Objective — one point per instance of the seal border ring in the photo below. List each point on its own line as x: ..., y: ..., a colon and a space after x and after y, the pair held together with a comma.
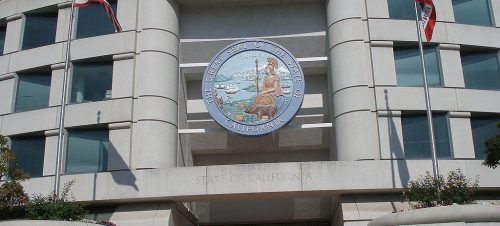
x: 281, y: 120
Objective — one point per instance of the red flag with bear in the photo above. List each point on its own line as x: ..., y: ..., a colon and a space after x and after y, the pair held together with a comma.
x: 107, y: 7
x: 428, y: 17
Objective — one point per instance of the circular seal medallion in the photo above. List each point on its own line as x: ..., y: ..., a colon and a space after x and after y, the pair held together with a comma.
x: 253, y: 87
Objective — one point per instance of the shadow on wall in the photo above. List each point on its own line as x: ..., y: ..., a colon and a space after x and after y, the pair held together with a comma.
x: 252, y: 20
x: 123, y: 176
x: 396, y: 146
x: 118, y: 169
x: 315, y: 109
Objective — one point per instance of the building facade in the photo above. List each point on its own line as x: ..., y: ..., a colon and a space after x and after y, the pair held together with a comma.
x: 143, y: 149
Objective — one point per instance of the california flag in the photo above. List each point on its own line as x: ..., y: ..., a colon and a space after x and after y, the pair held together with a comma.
x: 107, y: 7
x: 428, y: 17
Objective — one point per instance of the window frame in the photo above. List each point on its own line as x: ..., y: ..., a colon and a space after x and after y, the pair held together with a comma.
x: 436, y: 48
x: 114, y: 6
x: 479, y: 50
x: 67, y: 148
x: 446, y: 116
x: 24, y: 29
x: 482, y: 117
x: 490, y: 11
x: 75, y: 64
x: 413, y: 16
x: 16, y: 89
x: 13, y: 139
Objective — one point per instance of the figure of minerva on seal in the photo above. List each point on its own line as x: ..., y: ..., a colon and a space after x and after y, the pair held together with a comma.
x: 268, y: 100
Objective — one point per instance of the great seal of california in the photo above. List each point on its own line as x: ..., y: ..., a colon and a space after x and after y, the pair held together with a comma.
x: 253, y: 87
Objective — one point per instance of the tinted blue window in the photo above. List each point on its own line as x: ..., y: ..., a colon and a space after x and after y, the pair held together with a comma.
x: 482, y: 130
x: 91, y: 82
x: 29, y: 153
x: 401, y: 9
x: 409, y: 69
x: 2, y: 39
x: 39, y: 30
x: 474, y: 12
x: 93, y: 21
x: 33, y: 91
x: 481, y: 70
x: 87, y: 151
x: 416, y: 139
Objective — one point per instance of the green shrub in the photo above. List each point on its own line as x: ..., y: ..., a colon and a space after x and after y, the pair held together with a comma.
x: 12, y: 195
x: 428, y: 191
x: 50, y: 207
x: 493, y: 151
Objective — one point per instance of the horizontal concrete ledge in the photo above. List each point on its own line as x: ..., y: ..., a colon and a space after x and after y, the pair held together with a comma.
x: 64, y: 5
x: 449, y: 47
x: 14, y: 17
x: 121, y: 125
x: 261, y: 179
x: 7, y: 76
x: 51, y: 133
x: 125, y: 56
x: 300, y: 60
x: 301, y: 126
x: 389, y: 113
x: 444, y: 214
x: 58, y: 66
x: 454, y: 114
x: 389, y: 44
x: 44, y: 223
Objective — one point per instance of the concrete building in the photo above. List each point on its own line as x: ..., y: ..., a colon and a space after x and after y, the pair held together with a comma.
x: 143, y: 150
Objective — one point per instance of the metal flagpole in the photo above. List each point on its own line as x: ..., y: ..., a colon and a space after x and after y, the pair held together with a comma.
x: 427, y: 97
x: 60, y: 140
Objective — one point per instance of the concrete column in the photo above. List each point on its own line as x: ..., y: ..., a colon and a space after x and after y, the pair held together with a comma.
x: 7, y: 92
x: 460, y: 135
x: 451, y: 66
x: 56, y: 84
x: 63, y: 15
x: 495, y: 9
x: 391, y: 135
x: 377, y: 9
x: 119, y: 149
x: 123, y: 75
x: 444, y: 11
x: 333, y: 142
x: 13, y: 35
x: 49, y: 159
x: 352, y: 81
x: 156, y: 86
x: 384, y: 69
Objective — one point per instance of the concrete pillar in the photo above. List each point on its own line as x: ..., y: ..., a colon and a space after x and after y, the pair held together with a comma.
x: 49, y: 162
x: 495, y: 9
x: 7, y: 91
x: 451, y: 66
x: 156, y: 86
x: 63, y: 15
x: 119, y: 148
x: 384, y: 69
x: 13, y: 35
x: 460, y: 135
x: 391, y: 135
x: 352, y: 81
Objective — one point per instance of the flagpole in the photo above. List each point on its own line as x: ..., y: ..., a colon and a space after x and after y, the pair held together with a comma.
x: 427, y: 97
x: 60, y: 137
